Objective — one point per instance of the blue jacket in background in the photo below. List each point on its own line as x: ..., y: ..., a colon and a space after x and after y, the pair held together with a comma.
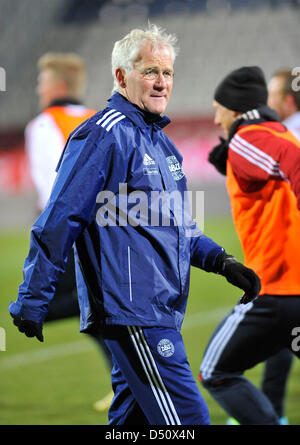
x: 127, y: 273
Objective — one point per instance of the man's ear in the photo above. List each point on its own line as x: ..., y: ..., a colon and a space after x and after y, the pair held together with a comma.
x: 120, y: 76
x: 290, y: 103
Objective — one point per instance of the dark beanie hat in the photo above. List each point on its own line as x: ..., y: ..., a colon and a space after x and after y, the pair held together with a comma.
x: 243, y: 89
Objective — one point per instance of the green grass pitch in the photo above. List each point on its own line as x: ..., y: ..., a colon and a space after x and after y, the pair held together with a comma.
x: 57, y: 382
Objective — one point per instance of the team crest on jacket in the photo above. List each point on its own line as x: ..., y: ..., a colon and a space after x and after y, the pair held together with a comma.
x: 175, y: 167
x: 165, y: 347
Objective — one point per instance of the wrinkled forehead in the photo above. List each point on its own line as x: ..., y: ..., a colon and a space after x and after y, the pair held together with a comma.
x: 151, y: 54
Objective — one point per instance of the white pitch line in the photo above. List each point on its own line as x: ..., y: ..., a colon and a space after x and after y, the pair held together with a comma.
x: 77, y: 347
x: 44, y: 354
x: 205, y: 317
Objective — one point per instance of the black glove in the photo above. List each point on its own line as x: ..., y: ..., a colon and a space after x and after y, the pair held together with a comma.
x: 218, y: 156
x: 240, y: 276
x: 30, y: 328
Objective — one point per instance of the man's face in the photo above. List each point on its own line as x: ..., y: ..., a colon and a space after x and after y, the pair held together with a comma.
x: 49, y: 88
x: 149, y: 83
x: 45, y: 88
x: 276, y: 98
x: 223, y: 117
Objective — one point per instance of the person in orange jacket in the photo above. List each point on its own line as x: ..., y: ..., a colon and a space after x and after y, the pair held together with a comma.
x: 284, y: 98
x: 260, y: 158
x: 60, y: 87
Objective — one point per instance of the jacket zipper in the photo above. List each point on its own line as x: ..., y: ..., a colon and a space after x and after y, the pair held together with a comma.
x: 129, y: 273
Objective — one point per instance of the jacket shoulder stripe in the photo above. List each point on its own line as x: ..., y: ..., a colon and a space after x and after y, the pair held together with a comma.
x: 264, y: 157
x: 268, y: 169
x: 105, y: 116
x: 114, y: 122
x: 255, y: 149
x: 270, y: 165
x: 252, y: 114
x: 112, y: 116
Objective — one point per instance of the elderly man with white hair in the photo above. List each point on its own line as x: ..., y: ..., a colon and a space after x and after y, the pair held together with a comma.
x: 132, y: 263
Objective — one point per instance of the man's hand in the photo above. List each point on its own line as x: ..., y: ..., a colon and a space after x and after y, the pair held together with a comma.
x: 240, y: 276
x: 218, y: 156
x: 29, y: 328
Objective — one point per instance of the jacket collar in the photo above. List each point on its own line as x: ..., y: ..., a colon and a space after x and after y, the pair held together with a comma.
x: 138, y: 116
x: 254, y: 117
x: 64, y: 102
x: 218, y: 155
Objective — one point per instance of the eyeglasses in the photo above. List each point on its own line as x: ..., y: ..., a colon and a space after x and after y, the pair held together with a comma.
x: 154, y: 73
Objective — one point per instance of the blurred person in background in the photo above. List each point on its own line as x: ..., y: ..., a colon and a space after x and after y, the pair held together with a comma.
x: 60, y: 88
x: 284, y: 97
x: 285, y: 100
x: 261, y: 160
x: 132, y: 278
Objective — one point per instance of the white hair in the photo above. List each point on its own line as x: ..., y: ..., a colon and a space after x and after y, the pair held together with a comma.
x: 126, y: 50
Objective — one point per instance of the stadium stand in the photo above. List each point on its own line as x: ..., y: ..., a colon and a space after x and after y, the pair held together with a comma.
x: 212, y: 41
x: 214, y: 37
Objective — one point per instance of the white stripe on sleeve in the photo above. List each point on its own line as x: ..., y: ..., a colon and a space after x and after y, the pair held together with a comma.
x: 255, y: 156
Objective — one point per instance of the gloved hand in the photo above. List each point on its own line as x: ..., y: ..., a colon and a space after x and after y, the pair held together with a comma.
x: 218, y: 156
x: 240, y: 276
x: 30, y: 328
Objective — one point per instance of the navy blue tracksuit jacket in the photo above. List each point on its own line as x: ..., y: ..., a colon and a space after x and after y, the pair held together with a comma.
x: 131, y: 267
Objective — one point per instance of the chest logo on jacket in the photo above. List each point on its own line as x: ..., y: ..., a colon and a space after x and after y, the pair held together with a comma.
x: 148, y: 160
x: 175, y: 167
x: 150, y: 168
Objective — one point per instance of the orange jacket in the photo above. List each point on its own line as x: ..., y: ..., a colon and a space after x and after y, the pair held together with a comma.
x: 68, y: 117
x: 45, y: 138
x: 263, y: 168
